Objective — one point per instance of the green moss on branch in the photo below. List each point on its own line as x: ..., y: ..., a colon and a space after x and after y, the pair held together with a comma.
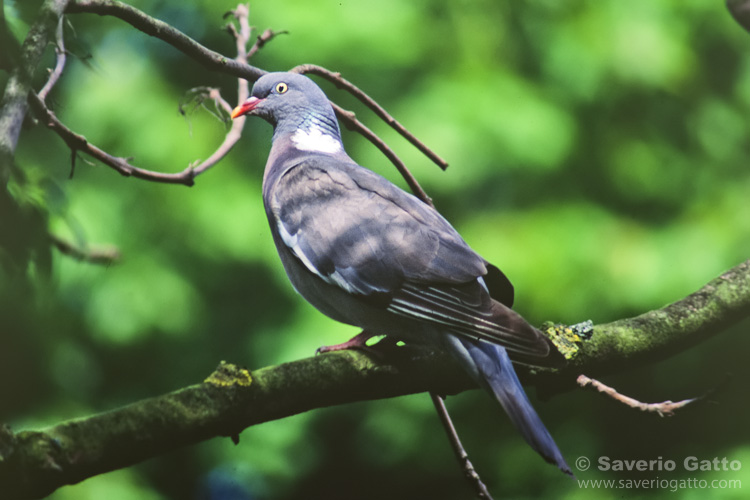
x: 35, y: 463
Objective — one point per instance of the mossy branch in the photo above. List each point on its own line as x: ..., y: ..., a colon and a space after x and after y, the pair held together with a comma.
x: 663, y: 332
x: 35, y: 463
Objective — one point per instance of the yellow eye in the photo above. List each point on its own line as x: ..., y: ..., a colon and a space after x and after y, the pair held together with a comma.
x: 281, y: 87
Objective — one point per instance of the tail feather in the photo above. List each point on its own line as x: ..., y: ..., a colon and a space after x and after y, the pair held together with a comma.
x: 491, y: 367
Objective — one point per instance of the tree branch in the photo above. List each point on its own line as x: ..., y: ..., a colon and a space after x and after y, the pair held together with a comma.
x: 217, y: 62
x: 263, y: 39
x: 658, y: 334
x: 241, y: 37
x: 163, y: 31
x: 60, y: 61
x: 105, y: 256
x: 740, y: 10
x: 14, y: 106
x: 77, y: 142
x: 368, y: 101
x: 458, y: 450
x: 351, y: 122
x: 34, y: 463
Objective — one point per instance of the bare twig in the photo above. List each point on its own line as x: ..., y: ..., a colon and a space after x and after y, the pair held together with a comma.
x: 163, y: 31
x: 263, y: 39
x: 665, y: 408
x: 105, y: 256
x: 351, y: 122
x: 77, y: 142
x: 197, y: 97
x: 60, y: 61
x: 215, y: 61
x: 215, y: 94
x: 14, y: 106
x: 368, y: 101
x: 463, y: 458
x: 241, y: 37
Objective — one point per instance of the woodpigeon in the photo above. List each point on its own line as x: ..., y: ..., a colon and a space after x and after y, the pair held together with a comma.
x: 366, y: 253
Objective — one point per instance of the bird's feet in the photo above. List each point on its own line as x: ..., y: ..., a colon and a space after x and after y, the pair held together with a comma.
x: 359, y: 342
x: 380, y: 349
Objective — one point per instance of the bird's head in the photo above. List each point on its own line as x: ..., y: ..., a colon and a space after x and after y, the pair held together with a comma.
x: 279, y: 96
x: 297, y: 108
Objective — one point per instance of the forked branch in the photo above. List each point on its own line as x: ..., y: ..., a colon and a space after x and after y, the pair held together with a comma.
x: 217, y: 62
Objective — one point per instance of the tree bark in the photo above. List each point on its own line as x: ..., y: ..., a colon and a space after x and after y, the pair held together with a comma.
x: 35, y: 463
x: 14, y: 105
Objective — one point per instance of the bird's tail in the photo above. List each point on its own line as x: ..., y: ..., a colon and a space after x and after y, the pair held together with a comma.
x: 491, y: 367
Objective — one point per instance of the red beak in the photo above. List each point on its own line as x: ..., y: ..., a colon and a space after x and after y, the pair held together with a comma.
x: 247, y: 106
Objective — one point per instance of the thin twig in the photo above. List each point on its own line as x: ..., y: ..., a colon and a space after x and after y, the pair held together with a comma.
x: 349, y: 118
x: 60, y: 61
x: 352, y: 123
x: 241, y: 37
x: 163, y: 31
x: 665, y: 408
x: 14, y: 105
x: 105, y: 256
x: 368, y: 101
x: 77, y: 142
x: 463, y: 458
x: 263, y: 39
x: 215, y: 95
x: 217, y: 62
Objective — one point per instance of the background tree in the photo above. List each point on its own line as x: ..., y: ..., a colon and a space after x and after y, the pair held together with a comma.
x: 598, y: 155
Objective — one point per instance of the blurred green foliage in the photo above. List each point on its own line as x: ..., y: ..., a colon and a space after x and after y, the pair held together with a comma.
x: 598, y: 155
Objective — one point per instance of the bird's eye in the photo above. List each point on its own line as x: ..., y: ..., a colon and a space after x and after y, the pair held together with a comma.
x: 281, y: 87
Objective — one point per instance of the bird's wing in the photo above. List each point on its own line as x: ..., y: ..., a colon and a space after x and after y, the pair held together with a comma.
x: 353, y: 228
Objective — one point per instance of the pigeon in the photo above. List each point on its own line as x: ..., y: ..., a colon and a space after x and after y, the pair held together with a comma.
x: 366, y: 253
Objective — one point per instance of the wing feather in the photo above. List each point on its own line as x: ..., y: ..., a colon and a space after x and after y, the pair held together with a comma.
x: 469, y: 312
x: 356, y: 230
x: 350, y: 226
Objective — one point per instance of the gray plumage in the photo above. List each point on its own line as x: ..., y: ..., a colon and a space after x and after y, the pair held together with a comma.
x: 366, y: 253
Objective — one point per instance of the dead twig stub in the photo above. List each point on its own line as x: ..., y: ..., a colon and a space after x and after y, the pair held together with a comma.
x: 663, y: 409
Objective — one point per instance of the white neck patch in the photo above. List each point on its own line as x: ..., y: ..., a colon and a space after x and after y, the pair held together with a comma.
x: 316, y: 141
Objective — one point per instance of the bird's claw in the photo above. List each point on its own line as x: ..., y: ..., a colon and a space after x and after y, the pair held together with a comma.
x: 359, y: 342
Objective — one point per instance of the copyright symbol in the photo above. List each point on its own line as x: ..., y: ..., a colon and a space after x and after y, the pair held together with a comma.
x: 583, y: 463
